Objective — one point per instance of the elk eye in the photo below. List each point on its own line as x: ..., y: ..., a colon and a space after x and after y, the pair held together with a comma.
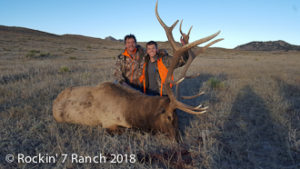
x: 169, y: 118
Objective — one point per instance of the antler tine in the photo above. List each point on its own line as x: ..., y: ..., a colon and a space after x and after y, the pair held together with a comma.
x: 189, y: 61
x: 167, y: 29
x: 190, y: 109
x: 197, y: 42
x: 191, y: 58
x: 191, y: 97
x: 185, y: 36
x: 190, y: 31
x: 208, y: 45
x: 180, y: 27
x: 187, y: 65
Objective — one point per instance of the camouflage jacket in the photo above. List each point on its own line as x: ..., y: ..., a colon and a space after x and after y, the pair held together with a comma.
x: 128, y: 68
x: 166, y: 59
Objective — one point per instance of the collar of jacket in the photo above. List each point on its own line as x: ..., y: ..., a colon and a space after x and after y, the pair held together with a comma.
x: 155, y: 58
x: 125, y: 53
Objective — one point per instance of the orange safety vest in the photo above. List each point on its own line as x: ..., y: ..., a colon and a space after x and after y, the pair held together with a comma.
x: 162, y: 70
x: 125, y: 53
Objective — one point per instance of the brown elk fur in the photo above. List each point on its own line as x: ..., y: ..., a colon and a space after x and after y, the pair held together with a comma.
x: 112, y: 105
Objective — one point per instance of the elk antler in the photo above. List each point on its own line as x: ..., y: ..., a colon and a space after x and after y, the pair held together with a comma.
x: 177, y: 53
x: 192, y: 56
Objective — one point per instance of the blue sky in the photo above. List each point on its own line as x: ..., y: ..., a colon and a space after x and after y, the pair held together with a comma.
x: 240, y: 21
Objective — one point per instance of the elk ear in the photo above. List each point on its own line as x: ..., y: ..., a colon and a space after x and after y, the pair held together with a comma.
x: 164, y: 101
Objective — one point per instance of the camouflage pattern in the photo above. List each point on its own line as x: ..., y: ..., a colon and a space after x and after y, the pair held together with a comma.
x: 129, y: 70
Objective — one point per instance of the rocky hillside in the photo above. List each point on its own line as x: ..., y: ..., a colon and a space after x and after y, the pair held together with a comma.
x: 113, y: 39
x: 268, y: 46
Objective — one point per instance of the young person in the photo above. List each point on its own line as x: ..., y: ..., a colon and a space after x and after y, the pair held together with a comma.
x: 155, y: 69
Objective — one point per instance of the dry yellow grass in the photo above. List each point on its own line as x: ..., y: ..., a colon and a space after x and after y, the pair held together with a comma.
x: 253, y: 120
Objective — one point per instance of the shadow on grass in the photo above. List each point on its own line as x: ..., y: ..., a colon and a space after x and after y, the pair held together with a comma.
x: 251, y: 139
x: 190, y: 87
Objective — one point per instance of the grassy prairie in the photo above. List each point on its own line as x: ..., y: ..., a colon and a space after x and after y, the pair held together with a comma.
x: 253, y: 119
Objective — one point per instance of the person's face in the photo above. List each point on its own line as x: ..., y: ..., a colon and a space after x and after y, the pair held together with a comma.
x: 151, y: 50
x: 130, y: 44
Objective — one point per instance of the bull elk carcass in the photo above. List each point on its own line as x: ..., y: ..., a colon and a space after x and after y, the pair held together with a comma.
x: 113, y: 105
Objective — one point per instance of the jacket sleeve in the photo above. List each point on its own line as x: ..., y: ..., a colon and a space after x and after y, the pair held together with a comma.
x: 118, y: 74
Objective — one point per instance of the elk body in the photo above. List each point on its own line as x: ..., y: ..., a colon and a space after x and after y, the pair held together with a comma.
x: 112, y: 105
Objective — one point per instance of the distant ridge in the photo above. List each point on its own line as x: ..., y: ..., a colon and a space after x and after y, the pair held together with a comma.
x: 112, y: 39
x: 268, y: 46
x: 36, y: 33
x: 24, y: 31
